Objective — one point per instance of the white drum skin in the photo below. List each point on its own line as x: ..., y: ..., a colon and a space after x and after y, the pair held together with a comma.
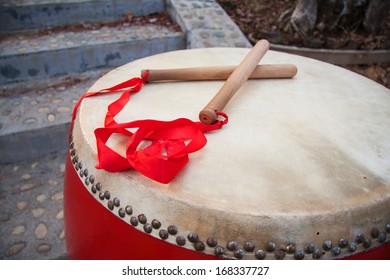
x: 302, y: 161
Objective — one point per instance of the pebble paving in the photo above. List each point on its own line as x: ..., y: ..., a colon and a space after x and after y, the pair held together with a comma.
x: 38, y: 103
x: 207, y: 24
x: 30, y: 42
x: 25, y: 2
x: 31, y: 209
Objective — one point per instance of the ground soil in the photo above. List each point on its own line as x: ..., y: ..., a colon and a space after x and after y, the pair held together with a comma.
x: 263, y: 19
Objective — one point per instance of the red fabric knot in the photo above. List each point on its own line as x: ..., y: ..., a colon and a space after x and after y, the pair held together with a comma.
x: 157, y: 149
x: 217, y: 125
x: 145, y: 76
x: 161, y: 160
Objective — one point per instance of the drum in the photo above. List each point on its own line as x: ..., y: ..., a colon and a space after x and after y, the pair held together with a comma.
x: 301, y: 171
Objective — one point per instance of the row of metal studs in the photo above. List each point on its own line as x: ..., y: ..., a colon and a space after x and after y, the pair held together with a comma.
x: 232, y: 246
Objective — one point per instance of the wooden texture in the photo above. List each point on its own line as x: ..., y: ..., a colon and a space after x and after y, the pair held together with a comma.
x: 269, y: 71
x: 239, y: 76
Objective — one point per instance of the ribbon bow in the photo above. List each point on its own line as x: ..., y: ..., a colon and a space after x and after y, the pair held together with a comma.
x: 170, y: 141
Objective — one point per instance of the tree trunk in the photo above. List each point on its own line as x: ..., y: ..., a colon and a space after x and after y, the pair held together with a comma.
x: 375, y: 15
x: 304, y: 17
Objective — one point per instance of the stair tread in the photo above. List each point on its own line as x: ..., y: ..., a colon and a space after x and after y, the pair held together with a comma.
x: 32, y: 42
x: 17, y: 15
x: 38, y: 2
x: 42, y: 103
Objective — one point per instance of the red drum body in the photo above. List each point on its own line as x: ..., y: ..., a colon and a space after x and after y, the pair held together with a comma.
x: 301, y: 171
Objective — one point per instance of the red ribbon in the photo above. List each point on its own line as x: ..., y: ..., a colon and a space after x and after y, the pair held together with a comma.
x: 171, y: 141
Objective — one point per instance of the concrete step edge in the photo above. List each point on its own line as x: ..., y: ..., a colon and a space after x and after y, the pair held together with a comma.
x: 35, y: 117
x: 35, y: 14
x: 26, y: 57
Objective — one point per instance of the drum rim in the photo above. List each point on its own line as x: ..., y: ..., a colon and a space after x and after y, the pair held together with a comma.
x: 283, y: 251
x: 232, y: 249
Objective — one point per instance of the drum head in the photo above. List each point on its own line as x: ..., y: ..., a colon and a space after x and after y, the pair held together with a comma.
x: 302, y: 169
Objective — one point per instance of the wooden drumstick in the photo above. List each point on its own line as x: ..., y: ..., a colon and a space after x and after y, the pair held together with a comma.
x: 265, y: 71
x: 234, y: 82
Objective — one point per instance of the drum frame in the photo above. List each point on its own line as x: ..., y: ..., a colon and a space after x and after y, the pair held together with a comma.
x: 99, y: 234
x: 103, y: 225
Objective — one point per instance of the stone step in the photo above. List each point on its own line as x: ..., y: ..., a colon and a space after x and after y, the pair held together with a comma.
x: 35, y: 55
x: 18, y: 15
x: 35, y: 116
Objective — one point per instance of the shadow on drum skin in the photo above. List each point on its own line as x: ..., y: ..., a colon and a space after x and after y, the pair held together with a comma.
x: 349, y: 181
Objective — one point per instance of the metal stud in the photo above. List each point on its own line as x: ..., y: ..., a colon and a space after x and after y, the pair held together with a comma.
x: 80, y: 164
x: 309, y: 248
x: 290, y: 248
x: 270, y: 246
x: 336, y: 250
x: 148, y: 228
x: 129, y: 210
x: 249, y: 246
x: 317, y: 253
x: 299, y: 254
x: 374, y: 233
x: 352, y: 246
x: 239, y: 254
x: 327, y: 245
x: 156, y: 224
x: 367, y: 242
x: 180, y: 240
x: 86, y: 181
x: 232, y: 246
x: 211, y: 241
x: 117, y: 202
x: 219, y: 251
x: 134, y: 221
x: 382, y: 237
x: 387, y: 228
x: 343, y: 242
x: 359, y: 238
x: 73, y: 152
x: 193, y: 237
x: 163, y: 234
x: 280, y: 254
x: 121, y: 212
x: 260, y: 254
x: 71, y: 145
x: 172, y: 230
x: 199, y: 246
x: 142, y: 219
